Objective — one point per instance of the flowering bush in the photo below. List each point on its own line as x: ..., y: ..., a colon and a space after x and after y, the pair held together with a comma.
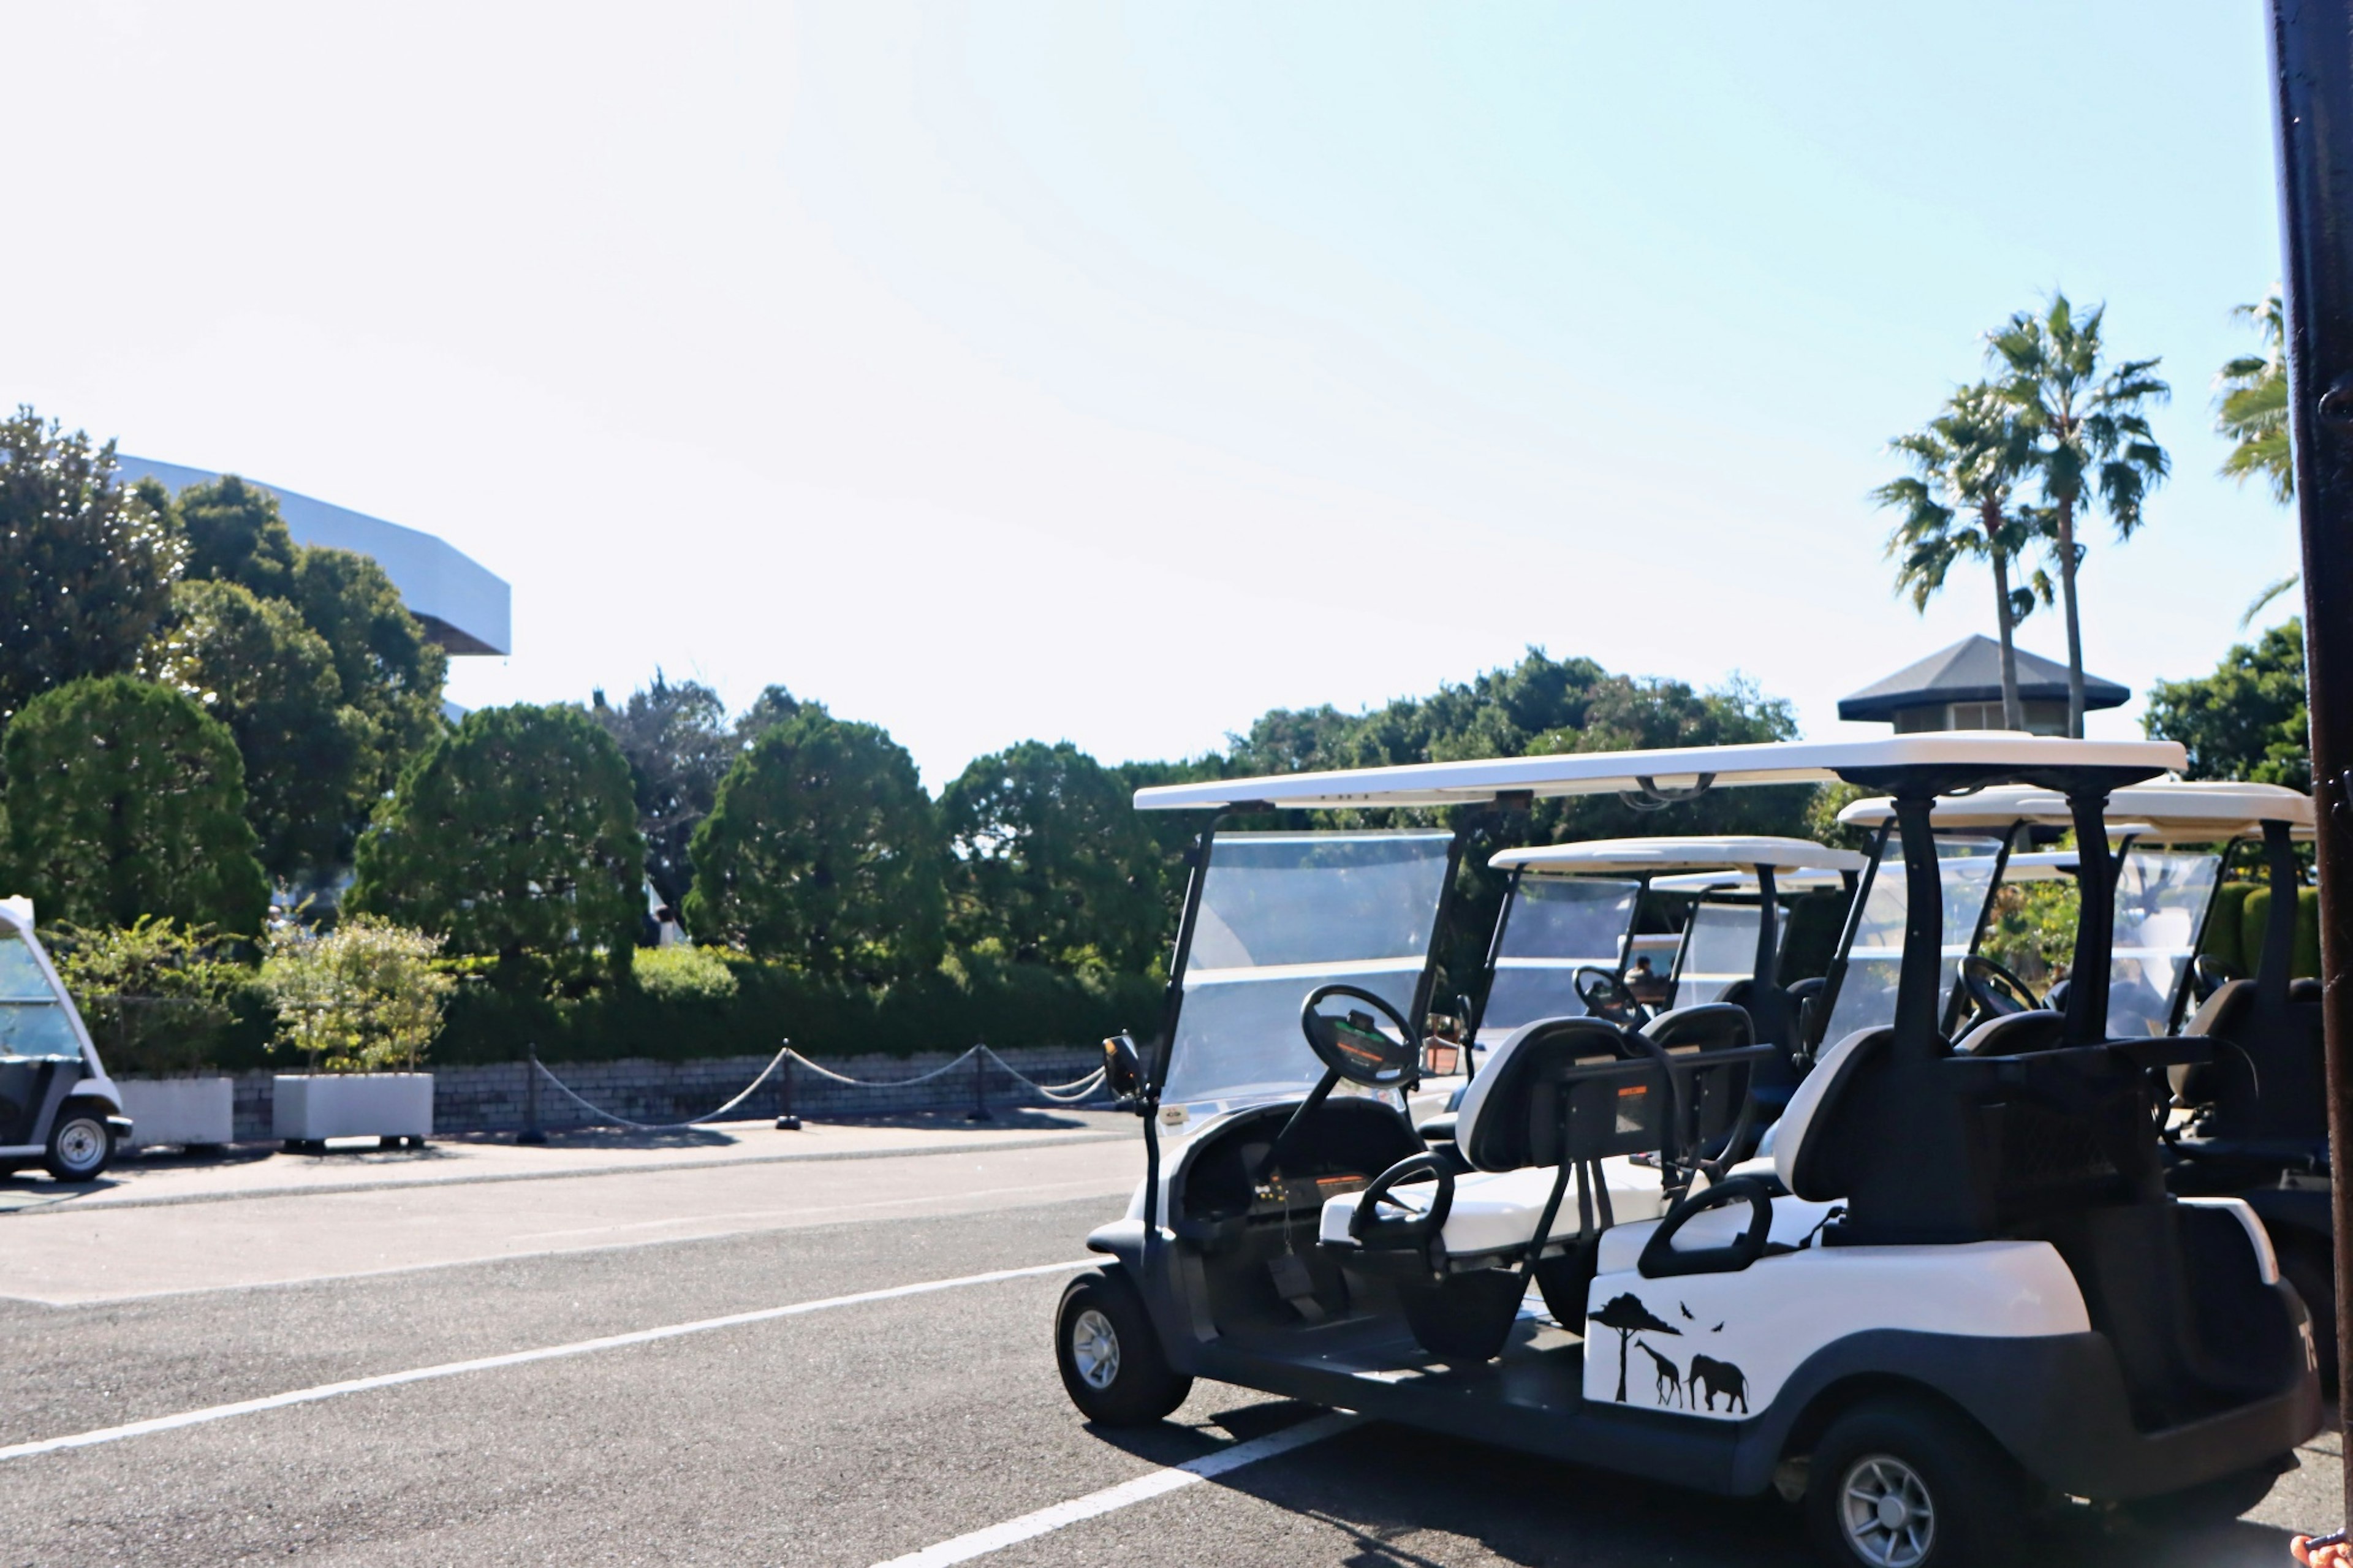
x: 365, y: 998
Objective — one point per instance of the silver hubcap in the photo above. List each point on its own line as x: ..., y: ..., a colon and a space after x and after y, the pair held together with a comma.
x: 1885, y: 1510
x: 1094, y: 1349
x: 80, y: 1144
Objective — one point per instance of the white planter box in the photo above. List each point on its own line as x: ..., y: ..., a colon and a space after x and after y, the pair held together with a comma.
x: 307, y: 1106
x: 186, y: 1111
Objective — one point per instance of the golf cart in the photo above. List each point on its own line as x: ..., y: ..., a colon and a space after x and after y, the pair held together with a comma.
x: 2253, y: 1123
x: 57, y: 1107
x: 1961, y: 1287
x: 1568, y: 917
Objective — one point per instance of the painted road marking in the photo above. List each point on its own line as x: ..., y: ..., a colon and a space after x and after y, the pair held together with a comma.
x: 1143, y: 1489
x: 517, y: 1358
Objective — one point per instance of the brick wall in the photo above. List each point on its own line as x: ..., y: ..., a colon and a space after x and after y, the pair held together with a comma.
x: 491, y: 1099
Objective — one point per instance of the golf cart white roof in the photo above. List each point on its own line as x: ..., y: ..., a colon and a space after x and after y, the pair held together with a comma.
x: 2163, y: 809
x: 1479, y: 780
x: 1714, y: 853
x: 1797, y: 880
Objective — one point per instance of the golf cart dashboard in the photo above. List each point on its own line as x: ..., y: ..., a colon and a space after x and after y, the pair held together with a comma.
x: 1224, y: 1190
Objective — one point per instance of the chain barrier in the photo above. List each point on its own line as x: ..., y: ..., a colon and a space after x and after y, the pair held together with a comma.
x: 1071, y: 1093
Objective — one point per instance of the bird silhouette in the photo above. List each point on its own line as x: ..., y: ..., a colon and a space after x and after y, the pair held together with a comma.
x: 1717, y: 1330
x: 1687, y: 1312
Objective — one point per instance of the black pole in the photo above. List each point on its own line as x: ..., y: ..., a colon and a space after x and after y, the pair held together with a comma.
x: 530, y: 1132
x: 2096, y: 921
x: 980, y: 1112
x: 789, y: 1118
x: 1920, y: 982
x: 2312, y: 67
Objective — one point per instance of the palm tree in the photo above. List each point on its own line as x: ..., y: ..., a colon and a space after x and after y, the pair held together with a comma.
x: 2251, y: 408
x: 2092, y: 444
x: 1965, y: 463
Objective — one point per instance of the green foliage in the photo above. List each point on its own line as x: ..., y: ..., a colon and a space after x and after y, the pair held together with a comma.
x: 2247, y: 719
x: 2250, y: 404
x: 1049, y: 863
x: 86, y: 566
x: 365, y: 998
x: 2255, y: 913
x: 1822, y: 826
x: 252, y: 663
x: 388, y: 670
x: 679, y: 746
x: 822, y: 852
x: 683, y: 973
x: 156, y: 995
x: 2223, y: 924
x: 127, y: 799
x: 234, y: 535
x: 2031, y: 931
x: 513, y: 836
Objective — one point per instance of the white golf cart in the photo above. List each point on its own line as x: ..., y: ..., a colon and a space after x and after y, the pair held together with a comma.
x: 1960, y: 1288
x: 57, y: 1107
x: 2253, y: 1123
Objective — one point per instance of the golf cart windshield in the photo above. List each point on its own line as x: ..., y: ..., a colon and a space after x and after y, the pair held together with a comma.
x: 1867, y: 997
x: 1719, y: 949
x: 1282, y: 914
x: 1557, y: 926
x: 33, y: 1021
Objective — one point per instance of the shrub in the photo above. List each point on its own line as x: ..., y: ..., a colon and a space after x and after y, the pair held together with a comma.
x: 126, y: 799
x: 823, y: 853
x: 515, y: 836
x: 157, y: 996
x: 683, y: 974
x: 362, y: 998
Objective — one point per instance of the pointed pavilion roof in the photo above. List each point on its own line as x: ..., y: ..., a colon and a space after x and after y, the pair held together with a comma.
x: 1970, y: 671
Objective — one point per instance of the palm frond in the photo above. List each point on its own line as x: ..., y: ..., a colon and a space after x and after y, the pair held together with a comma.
x: 2255, y: 605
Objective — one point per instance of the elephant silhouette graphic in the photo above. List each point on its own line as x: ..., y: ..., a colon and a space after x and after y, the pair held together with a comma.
x: 1711, y: 1377
x: 1671, y: 1377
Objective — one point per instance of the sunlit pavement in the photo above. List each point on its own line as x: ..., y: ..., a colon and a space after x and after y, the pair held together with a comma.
x: 868, y: 1429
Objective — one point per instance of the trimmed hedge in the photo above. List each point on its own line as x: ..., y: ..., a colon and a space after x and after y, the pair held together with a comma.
x: 2234, y: 933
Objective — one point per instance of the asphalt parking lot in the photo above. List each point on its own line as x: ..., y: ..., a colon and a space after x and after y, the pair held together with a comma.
x: 837, y: 1419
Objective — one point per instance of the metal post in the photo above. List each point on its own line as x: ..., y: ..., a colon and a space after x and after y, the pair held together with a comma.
x: 530, y: 1132
x: 2312, y: 65
x: 980, y: 1112
x: 787, y: 1118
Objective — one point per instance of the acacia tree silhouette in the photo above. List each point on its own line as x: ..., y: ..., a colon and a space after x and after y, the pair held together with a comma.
x: 1627, y: 1314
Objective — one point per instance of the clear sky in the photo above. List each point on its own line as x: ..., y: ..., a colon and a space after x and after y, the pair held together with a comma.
x: 1114, y: 373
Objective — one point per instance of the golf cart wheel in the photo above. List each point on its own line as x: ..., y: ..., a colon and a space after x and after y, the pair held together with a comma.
x: 2305, y: 1260
x: 1108, y: 1355
x: 1904, y: 1484
x: 2211, y: 1505
x: 79, y: 1143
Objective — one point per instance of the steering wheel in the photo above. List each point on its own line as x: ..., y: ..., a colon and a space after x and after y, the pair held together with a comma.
x: 1355, y: 1046
x: 1993, y: 990
x: 1605, y: 996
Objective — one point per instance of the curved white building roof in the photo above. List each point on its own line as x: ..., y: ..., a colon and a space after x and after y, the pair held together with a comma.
x: 464, y: 607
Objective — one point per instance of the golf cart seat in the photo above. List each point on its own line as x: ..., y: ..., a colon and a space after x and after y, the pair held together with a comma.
x: 2013, y: 1034
x: 2267, y: 1082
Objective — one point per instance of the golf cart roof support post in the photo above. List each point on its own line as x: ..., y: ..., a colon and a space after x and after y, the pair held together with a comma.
x: 1442, y: 928
x: 1919, y: 980
x: 2278, y: 961
x: 1494, y: 952
x: 2096, y: 920
x: 1768, y: 936
x: 2313, y: 71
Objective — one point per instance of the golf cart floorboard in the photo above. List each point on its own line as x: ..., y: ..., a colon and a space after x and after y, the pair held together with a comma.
x: 1531, y: 1398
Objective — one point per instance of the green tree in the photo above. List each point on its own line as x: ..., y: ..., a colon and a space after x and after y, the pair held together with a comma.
x: 513, y: 836
x: 1955, y: 504
x: 2092, y: 443
x: 678, y: 745
x: 2251, y: 408
x: 391, y: 672
x: 1049, y: 860
x: 822, y: 852
x: 126, y: 799
x: 252, y: 663
x: 2247, y: 719
x: 86, y: 566
x: 236, y: 535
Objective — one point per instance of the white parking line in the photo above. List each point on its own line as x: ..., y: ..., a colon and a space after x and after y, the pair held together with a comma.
x: 515, y: 1358
x: 1143, y: 1489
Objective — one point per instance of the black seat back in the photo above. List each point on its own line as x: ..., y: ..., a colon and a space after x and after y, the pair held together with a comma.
x: 1513, y: 1114
x: 2014, y: 1034
x: 2266, y: 1080
x: 1712, y: 1104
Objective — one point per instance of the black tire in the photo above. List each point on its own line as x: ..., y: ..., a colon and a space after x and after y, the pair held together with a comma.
x: 1966, y: 1499
x: 79, y: 1143
x: 2211, y: 1505
x: 1109, y: 1357
x: 2305, y: 1262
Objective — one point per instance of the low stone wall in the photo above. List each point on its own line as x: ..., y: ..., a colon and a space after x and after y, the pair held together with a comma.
x: 493, y: 1099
